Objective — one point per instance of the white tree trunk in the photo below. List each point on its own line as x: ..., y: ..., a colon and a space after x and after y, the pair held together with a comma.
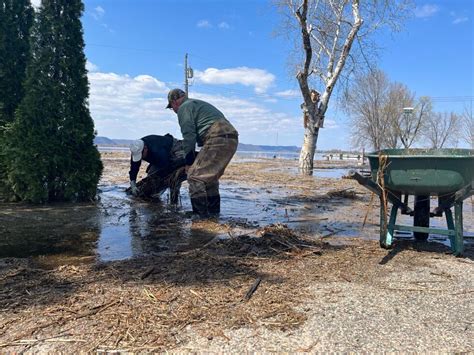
x: 306, y: 163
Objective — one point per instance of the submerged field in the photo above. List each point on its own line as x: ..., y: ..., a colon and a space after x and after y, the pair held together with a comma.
x: 289, y: 266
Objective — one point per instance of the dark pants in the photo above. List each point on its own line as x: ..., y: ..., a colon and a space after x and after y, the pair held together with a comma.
x: 176, y: 160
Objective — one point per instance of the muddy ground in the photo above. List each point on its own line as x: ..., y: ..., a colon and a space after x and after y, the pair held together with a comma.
x: 289, y: 266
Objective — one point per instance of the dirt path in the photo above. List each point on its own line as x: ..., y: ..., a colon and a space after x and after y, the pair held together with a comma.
x: 304, y: 283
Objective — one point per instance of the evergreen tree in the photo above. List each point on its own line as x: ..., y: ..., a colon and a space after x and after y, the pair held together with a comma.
x: 16, y: 18
x: 50, y: 151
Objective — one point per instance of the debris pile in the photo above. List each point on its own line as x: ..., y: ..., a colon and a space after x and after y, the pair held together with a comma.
x: 344, y: 193
x: 274, y: 239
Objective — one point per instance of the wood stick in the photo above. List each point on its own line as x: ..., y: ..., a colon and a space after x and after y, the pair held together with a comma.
x: 147, y: 273
x: 252, y: 289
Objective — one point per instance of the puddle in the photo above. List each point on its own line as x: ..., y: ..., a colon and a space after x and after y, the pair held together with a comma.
x: 330, y: 173
x: 119, y: 227
x: 334, y: 173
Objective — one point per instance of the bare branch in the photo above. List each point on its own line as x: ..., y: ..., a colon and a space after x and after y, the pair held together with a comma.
x: 468, y: 126
x: 332, y: 55
x: 443, y: 129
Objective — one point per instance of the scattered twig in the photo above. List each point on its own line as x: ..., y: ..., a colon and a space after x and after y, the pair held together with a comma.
x: 147, y: 273
x: 252, y: 289
x: 96, y: 309
x: 53, y: 339
x: 197, y: 295
x: 412, y: 289
x: 462, y: 292
x: 369, y: 208
x: 308, y: 348
x: 307, y: 220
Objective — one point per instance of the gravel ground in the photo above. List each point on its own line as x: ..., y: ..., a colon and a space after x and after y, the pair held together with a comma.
x: 419, y: 301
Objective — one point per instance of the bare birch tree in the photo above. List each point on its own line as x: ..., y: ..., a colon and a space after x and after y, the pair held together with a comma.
x: 335, y: 37
x: 468, y: 126
x: 365, y: 102
x: 382, y: 113
x: 443, y: 129
x: 409, y: 121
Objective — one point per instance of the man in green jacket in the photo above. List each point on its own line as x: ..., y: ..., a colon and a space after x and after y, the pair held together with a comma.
x: 205, y: 125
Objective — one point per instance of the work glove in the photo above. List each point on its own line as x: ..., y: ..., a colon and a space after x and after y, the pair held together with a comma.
x: 134, y: 188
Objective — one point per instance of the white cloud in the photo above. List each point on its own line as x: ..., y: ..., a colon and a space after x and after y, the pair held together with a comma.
x: 204, y: 24
x: 98, y: 12
x: 224, y: 25
x: 132, y: 107
x: 104, y: 25
x: 270, y: 100
x: 427, y: 10
x: 260, y: 79
x: 460, y: 20
x: 253, y: 119
x: 330, y: 124
x: 91, y: 67
x: 288, y: 94
x: 129, y: 107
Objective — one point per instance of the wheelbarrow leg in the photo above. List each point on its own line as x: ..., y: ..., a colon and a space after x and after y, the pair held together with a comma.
x: 450, y: 224
x: 458, y: 245
x: 386, y: 234
x: 421, y: 216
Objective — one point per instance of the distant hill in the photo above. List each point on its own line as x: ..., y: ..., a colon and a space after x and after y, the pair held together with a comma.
x: 104, y: 141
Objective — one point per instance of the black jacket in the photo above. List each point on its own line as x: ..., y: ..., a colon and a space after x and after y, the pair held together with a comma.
x: 159, y: 148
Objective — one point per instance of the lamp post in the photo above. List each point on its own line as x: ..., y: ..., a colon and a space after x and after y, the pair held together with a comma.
x: 408, y: 111
x: 421, y: 216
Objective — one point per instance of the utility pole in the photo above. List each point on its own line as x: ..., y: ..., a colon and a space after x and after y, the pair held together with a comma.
x: 188, y: 74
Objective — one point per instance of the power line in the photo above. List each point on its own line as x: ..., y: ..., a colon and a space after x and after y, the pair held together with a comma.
x: 452, y: 98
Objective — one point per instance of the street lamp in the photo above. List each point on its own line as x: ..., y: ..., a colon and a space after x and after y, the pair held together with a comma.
x: 408, y: 110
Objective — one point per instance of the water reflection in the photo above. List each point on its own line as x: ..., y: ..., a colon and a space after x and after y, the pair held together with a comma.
x: 120, y: 227
x: 127, y: 225
x: 53, y: 229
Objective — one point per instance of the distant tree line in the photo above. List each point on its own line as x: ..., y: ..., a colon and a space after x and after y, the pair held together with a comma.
x: 46, y: 131
x: 385, y: 114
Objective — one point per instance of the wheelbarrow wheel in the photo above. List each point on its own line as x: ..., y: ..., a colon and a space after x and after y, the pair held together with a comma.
x: 421, y: 217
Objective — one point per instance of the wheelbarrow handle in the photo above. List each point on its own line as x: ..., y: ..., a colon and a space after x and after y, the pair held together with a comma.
x: 464, y: 193
x: 372, y: 186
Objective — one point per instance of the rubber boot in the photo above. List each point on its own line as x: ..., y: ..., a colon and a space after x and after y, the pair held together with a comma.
x: 199, y: 206
x: 214, y: 205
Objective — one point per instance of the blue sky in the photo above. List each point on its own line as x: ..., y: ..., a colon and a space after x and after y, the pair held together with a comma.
x: 135, y: 51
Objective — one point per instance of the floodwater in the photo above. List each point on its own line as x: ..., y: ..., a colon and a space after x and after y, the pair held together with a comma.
x: 118, y: 226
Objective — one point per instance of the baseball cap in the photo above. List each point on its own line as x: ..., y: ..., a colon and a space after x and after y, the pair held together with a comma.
x: 136, y: 147
x: 174, y: 95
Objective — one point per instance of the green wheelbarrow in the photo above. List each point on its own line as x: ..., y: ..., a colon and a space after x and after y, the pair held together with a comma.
x: 395, y: 174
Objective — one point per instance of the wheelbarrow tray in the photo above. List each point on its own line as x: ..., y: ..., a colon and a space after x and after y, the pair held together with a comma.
x: 432, y: 172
